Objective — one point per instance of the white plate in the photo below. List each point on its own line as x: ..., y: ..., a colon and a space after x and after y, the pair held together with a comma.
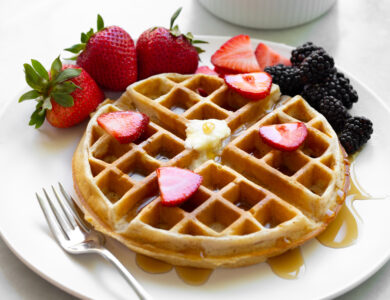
x: 31, y: 159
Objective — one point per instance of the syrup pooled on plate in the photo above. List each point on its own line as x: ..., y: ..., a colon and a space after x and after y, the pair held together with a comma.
x: 344, y: 229
x: 152, y: 265
x: 192, y: 276
x: 289, y: 265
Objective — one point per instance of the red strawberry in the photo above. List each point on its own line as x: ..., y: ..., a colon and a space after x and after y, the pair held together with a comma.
x: 284, y: 137
x: 125, y: 126
x: 205, y: 70
x: 222, y: 72
x: 162, y: 50
x: 267, y: 57
x: 177, y: 185
x: 236, y: 55
x: 65, y: 97
x: 254, y: 86
x: 108, y: 56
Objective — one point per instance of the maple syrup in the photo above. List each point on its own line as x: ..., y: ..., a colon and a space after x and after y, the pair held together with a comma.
x: 192, y: 276
x: 152, y: 265
x: 289, y: 265
x: 343, y: 231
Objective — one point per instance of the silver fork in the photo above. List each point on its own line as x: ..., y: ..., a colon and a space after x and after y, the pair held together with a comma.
x: 75, y: 236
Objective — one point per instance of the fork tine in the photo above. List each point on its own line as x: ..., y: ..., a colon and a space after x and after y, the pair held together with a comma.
x: 55, y: 228
x: 65, y: 207
x: 59, y: 215
x: 73, y: 210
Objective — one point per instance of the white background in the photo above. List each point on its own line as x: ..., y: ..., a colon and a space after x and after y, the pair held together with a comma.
x: 355, y: 32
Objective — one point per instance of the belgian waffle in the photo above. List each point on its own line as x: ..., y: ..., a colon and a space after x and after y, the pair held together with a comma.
x: 254, y: 201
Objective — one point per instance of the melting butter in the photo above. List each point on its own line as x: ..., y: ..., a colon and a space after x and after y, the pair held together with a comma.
x: 206, y: 136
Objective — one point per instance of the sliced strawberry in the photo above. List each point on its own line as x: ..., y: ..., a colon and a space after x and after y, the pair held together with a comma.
x: 284, y: 137
x: 125, y: 126
x: 267, y: 57
x: 177, y: 185
x: 236, y: 55
x: 205, y: 70
x: 222, y: 72
x: 254, y: 86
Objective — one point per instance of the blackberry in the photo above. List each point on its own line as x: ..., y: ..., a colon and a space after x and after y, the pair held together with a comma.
x: 301, y: 52
x: 356, y: 132
x: 317, y: 66
x: 288, y: 79
x: 314, y: 93
x: 334, y: 111
x: 339, y: 87
x: 336, y: 85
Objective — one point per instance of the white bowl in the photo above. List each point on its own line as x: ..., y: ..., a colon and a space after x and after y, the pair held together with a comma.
x: 267, y: 14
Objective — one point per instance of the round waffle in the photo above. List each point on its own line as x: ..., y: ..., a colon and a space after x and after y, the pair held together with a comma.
x: 254, y: 201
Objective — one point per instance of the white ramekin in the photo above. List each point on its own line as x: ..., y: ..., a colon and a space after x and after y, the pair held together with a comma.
x: 267, y: 14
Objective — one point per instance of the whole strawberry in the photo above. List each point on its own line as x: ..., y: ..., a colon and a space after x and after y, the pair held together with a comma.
x: 162, y: 50
x: 65, y: 96
x: 108, y: 55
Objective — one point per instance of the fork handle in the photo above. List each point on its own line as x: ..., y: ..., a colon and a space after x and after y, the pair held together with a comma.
x: 138, y: 289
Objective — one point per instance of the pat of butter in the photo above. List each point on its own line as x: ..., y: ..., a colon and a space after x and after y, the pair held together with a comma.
x: 206, y: 137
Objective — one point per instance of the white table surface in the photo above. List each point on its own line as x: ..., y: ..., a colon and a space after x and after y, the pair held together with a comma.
x: 355, y: 32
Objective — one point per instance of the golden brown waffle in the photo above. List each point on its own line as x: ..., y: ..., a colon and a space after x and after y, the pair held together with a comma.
x: 257, y: 202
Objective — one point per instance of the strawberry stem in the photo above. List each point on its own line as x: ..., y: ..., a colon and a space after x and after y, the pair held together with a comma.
x: 174, y: 17
x: 175, y: 31
x: 78, y: 48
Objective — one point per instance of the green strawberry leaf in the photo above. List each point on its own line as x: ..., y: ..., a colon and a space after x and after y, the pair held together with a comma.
x: 67, y: 74
x: 84, y: 38
x: 199, y: 42
x: 175, y: 31
x: 37, y: 118
x: 56, y: 68
x: 174, y: 17
x: 33, y: 79
x: 72, y: 58
x: 76, y: 48
x: 67, y: 87
x: 33, y: 94
x: 199, y: 50
x: 63, y: 99
x: 40, y: 69
x: 189, y: 36
x: 90, y: 33
x: 100, y: 23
